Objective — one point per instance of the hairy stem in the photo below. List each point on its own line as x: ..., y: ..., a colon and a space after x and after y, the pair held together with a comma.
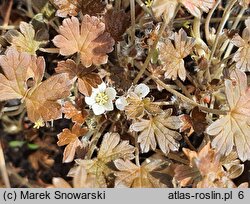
x: 236, y: 22
x: 208, y: 19
x: 224, y: 19
x: 150, y: 55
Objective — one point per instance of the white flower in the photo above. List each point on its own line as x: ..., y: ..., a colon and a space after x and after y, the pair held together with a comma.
x: 141, y: 90
x: 121, y: 103
x: 101, y: 99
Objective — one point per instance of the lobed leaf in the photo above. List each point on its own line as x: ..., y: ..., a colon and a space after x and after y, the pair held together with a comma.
x: 24, y: 41
x: 161, y: 129
x: 131, y: 175
x: 89, y: 39
x: 233, y: 129
x: 171, y: 55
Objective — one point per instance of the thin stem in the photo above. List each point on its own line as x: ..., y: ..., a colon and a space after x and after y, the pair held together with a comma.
x: 177, y: 158
x: 21, y: 181
x: 137, y: 150
x: 196, y: 27
x: 181, y: 96
x: 146, y: 63
x: 132, y: 13
x: 7, y: 14
x: 213, y: 20
x: 8, y: 27
x: 118, y: 4
x: 146, y: 9
x: 163, y: 103
x: 95, y: 138
x: 183, y: 88
x: 236, y: 22
x: 186, y: 99
x: 3, y: 168
x: 173, y: 156
x: 224, y: 19
x: 208, y: 19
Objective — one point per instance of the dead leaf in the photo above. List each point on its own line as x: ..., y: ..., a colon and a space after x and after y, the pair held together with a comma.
x: 193, y: 6
x: 87, y: 80
x: 167, y: 7
x: 116, y: 23
x: 93, y: 7
x: 89, y: 39
x: 131, y: 175
x: 111, y: 149
x: 158, y: 129
x: 41, y: 98
x: 42, y: 101
x: 196, y: 6
x: 244, y: 3
x: 233, y: 129
x: 15, y: 67
x: 171, y: 55
x: 67, y: 7
x: 70, y: 138
x: 137, y: 107
x: 24, y: 41
x: 205, y: 170
x: 232, y: 165
x: 71, y: 112
x: 60, y: 183
x: 242, y: 55
x: 40, y: 159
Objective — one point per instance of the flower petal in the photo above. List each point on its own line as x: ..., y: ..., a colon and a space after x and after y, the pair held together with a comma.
x: 109, y: 106
x: 102, y: 87
x: 111, y: 92
x: 97, y: 109
x: 90, y: 100
x: 121, y: 103
x: 142, y: 90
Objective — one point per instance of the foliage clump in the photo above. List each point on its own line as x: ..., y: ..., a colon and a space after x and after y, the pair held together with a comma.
x: 136, y: 94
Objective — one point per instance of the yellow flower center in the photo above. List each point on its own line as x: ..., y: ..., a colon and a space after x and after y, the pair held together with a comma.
x: 101, y: 98
x: 148, y: 3
x: 39, y: 123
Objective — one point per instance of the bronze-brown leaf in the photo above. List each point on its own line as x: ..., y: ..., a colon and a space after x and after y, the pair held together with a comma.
x: 116, y: 23
x: 131, y: 175
x: 67, y: 7
x: 71, y: 112
x: 204, y: 171
x: 93, y: 7
x: 70, y: 138
x: 85, y: 77
x: 158, y: 129
x: 88, y: 39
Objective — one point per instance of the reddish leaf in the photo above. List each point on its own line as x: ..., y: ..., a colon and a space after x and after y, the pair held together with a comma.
x: 72, y: 113
x: 86, y: 78
x: 42, y: 101
x: 89, y: 39
x: 67, y: 7
x: 70, y: 138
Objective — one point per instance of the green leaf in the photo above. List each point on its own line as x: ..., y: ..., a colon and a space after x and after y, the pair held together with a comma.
x: 16, y: 143
x: 33, y: 146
